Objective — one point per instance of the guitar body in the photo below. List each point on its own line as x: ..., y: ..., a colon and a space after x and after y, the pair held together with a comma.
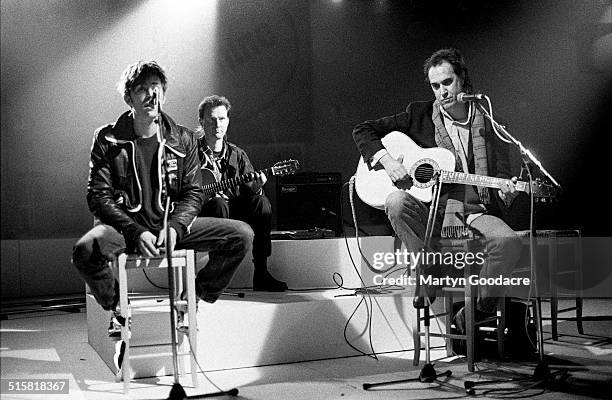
x: 209, y: 177
x: 374, y: 185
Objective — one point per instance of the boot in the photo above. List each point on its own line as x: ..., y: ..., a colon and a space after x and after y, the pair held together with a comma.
x: 424, y: 290
x: 263, y: 281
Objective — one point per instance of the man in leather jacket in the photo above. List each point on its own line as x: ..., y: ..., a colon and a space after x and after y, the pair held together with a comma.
x: 131, y: 162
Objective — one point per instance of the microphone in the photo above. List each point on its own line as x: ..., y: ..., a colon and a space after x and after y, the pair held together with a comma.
x: 155, y: 103
x: 158, y: 99
x: 155, y: 97
x: 464, y: 97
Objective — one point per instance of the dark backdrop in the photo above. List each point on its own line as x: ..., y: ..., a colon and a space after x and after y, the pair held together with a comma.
x: 300, y: 74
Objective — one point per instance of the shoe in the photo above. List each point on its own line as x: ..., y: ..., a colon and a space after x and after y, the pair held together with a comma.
x: 263, y: 281
x: 117, y: 321
x: 181, y: 313
x: 118, y: 360
x: 424, y: 290
x: 181, y: 324
x: 459, y: 318
x: 419, y: 299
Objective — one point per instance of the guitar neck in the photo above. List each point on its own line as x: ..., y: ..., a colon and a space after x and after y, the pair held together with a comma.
x: 215, y: 187
x: 479, y: 180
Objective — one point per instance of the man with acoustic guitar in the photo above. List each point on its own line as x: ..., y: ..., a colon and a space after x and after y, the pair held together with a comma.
x: 246, y: 201
x: 448, y: 123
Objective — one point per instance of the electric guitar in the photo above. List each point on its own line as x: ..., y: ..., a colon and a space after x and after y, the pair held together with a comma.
x: 374, y: 185
x: 212, y: 185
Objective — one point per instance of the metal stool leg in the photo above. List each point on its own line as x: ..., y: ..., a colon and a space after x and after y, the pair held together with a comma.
x: 501, y: 327
x: 416, y: 335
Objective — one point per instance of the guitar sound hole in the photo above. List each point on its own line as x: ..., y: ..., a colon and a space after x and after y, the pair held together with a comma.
x: 424, y: 173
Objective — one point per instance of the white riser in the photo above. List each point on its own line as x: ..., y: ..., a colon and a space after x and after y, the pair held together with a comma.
x: 267, y: 329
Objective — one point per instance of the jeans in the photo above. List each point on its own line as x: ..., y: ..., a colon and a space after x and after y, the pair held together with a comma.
x: 226, y: 240
x: 254, y: 210
x: 500, y: 243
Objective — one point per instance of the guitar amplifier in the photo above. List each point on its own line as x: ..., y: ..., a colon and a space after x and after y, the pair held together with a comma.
x: 309, y: 201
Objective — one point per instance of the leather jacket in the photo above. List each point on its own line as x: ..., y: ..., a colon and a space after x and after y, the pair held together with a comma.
x: 114, y: 191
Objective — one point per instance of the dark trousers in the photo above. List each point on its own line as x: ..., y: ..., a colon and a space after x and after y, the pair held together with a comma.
x: 255, y: 210
x: 226, y: 240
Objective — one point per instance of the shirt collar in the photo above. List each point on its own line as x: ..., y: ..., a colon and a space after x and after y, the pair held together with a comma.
x: 448, y: 117
x: 211, y: 153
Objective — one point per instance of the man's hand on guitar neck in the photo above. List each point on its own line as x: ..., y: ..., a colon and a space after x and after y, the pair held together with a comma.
x: 258, y: 181
x: 507, y: 191
x: 397, y: 172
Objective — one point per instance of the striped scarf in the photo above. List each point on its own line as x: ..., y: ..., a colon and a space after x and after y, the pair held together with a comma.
x: 453, y: 225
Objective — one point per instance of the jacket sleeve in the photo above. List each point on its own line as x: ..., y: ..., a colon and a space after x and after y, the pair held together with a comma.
x: 367, y: 135
x: 244, y: 167
x: 100, y: 192
x: 191, y: 194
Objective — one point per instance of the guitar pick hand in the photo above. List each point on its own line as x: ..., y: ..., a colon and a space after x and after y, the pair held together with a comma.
x: 397, y: 172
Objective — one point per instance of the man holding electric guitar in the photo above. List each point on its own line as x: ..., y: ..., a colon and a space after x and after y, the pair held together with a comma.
x: 455, y: 136
x: 233, y: 189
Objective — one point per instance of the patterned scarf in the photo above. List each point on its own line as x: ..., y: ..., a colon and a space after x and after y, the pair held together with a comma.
x: 453, y: 225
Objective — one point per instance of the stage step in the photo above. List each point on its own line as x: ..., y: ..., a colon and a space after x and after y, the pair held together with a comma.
x: 303, y: 264
x: 265, y: 329
x: 275, y: 328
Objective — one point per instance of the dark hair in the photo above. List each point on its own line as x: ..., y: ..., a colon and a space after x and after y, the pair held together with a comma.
x: 135, y: 73
x: 213, y: 101
x: 455, y: 59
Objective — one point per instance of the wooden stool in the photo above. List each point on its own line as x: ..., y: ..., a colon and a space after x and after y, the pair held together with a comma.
x: 469, y: 294
x: 183, y: 261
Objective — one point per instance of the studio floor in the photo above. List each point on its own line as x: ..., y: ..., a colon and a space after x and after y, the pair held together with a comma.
x: 53, y: 344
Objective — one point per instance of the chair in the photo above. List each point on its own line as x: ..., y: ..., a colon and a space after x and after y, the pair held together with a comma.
x: 469, y: 294
x: 557, y: 243
x: 183, y: 262
x: 560, y: 261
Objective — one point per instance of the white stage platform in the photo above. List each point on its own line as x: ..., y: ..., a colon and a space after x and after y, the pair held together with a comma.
x: 275, y: 328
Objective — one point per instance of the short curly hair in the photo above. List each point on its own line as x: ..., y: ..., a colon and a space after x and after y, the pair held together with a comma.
x: 137, y: 72
x: 213, y: 101
x: 455, y: 59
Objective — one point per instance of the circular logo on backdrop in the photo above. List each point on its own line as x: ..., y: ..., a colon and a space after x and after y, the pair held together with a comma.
x: 259, y: 54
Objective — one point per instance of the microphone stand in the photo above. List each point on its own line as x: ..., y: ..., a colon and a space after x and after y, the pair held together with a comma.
x: 177, y: 392
x: 428, y: 373
x: 542, y: 373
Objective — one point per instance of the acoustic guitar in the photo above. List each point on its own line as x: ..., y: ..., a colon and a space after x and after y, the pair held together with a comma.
x: 373, y: 185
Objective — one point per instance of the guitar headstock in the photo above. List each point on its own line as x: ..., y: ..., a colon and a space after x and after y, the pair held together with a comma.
x: 286, y: 167
x: 545, y: 192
